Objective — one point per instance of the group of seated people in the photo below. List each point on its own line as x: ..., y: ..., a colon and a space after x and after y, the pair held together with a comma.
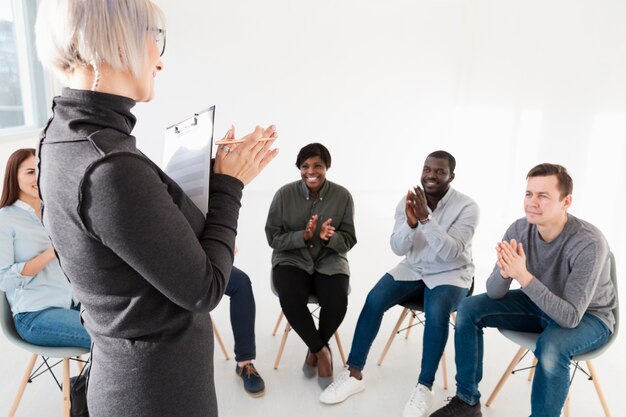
x: 560, y: 263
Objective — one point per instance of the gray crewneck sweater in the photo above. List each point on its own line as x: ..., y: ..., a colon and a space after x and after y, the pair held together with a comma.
x: 572, y: 272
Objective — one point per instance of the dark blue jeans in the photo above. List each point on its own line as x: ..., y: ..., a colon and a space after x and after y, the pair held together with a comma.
x: 53, y: 327
x: 555, y: 347
x: 242, y: 314
x: 439, y: 303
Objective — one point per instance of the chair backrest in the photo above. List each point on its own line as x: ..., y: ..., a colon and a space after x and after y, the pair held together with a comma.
x: 8, y: 328
x: 614, y: 281
x: 6, y: 320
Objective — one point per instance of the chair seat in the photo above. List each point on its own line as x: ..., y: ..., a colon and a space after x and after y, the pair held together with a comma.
x: 6, y: 322
x: 525, y: 339
x: 415, y: 304
x: 50, y: 352
x: 529, y: 341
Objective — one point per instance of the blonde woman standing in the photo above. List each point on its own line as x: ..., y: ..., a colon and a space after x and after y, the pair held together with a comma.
x: 145, y: 263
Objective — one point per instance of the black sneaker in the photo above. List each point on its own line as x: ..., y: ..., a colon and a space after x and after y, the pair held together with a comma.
x: 458, y: 408
x: 252, y: 381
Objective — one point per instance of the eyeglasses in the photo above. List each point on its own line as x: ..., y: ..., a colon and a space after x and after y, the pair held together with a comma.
x: 159, y: 39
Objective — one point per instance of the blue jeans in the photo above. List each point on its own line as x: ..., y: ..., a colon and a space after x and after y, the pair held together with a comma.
x: 53, y: 327
x: 555, y: 347
x: 439, y: 303
x: 242, y: 314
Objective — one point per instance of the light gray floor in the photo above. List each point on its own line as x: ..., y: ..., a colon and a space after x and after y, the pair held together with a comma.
x: 388, y: 386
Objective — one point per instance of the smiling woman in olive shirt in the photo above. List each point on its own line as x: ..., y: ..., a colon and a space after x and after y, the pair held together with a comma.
x: 310, y: 226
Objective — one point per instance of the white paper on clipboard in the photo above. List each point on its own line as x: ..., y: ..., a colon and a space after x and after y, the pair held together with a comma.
x: 187, y: 155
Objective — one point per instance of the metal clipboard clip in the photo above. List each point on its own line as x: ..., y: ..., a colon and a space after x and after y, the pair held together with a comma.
x: 187, y: 124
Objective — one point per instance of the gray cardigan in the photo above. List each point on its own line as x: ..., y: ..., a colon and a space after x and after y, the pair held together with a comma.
x: 141, y: 258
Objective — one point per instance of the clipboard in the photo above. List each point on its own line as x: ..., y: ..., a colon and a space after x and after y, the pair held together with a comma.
x: 187, y: 155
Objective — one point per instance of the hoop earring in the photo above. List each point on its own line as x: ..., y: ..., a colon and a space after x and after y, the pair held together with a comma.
x: 96, y: 76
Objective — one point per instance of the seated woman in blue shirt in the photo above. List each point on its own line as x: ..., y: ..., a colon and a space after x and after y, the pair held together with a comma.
x: 38, y: 292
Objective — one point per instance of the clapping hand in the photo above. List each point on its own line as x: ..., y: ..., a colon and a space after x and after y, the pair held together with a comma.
x: 512, y: 261
x: 246, y: 159
x: 310, y: 228
x: 416, y: 206
x: 327, y: 231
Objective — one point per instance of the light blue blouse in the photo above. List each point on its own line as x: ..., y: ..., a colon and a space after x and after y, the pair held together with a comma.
x: 22, y: 237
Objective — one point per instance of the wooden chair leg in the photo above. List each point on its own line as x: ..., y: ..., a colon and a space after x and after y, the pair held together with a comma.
x: 216, y: 333
x: 393, y: 335
x: 408, y: 329
x: 340, y: 347
x: 282, y: 345
x: 444, y: 370
x: 22, y: 387
x: 280, y: 318
x: 531, y: 374
x: 596, y: 384
x: 518, y: 356
x: 66, y: 387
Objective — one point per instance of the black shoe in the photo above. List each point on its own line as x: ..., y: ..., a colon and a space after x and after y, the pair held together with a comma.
x: 458, y: 408
x: 252, y: 381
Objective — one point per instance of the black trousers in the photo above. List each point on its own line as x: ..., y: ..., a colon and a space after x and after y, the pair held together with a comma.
x: 294, y: 287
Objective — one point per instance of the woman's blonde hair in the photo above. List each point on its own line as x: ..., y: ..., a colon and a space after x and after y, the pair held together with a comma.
x: 78, y: 33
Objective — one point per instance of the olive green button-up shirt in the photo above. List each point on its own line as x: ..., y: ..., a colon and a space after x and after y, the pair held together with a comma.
x: 291, y: 209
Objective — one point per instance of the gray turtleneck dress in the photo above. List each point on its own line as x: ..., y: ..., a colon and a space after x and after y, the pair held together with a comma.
x: 145, y: 264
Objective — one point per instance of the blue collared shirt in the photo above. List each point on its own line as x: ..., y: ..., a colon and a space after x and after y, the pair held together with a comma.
x: 22, y: 237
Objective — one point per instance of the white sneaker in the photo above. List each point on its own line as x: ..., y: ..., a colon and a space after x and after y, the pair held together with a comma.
x: 343, y: 387
x: 419, y: 403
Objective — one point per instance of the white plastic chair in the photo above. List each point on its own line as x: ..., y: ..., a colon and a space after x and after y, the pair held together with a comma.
x: 64, y: 353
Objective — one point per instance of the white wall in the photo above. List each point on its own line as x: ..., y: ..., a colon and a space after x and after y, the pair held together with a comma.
x: 502, y: 85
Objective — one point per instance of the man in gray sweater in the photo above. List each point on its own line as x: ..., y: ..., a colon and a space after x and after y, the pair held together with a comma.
x: 563, y: 267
